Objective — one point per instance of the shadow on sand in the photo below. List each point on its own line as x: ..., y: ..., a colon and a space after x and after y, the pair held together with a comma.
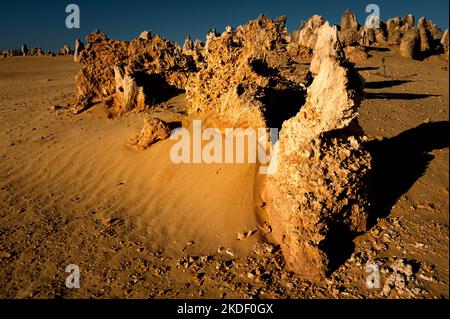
x: 398, y: 162
x: 384, y: 84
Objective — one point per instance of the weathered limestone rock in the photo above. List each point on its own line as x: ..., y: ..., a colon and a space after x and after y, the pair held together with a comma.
x: 425, y: 35
x: 355, y: 54
x: 392, y: 24
x: 327, y: 45
x: 188, y: 45
x: 129, y: 95
x: 369, y: 37
x: 408, y: 22
x: 158, y: 65
x: 145, y: 35
x: 38, y: 52
x: 79, y: 46
x: 380, y: 37
x: 410, y: 45
x: 24, y: 50
x: 198, y: 45
x: 395, y: 36
x: 349, y: 37
x: 373, y: 22
x: 319, y: 186
x: 436, y: 32
x: 10, y: 53
x: 66, y: 50
x: 194, y: 49
x: 444, y: 42
x: 154, y: 130
x: 307, y: 35
x: 349, y: 22
x: 248, y: 70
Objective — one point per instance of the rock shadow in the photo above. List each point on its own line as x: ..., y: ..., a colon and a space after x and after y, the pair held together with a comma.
x: 398, y: 162
x: 384, y: 84
x: 398, y: 96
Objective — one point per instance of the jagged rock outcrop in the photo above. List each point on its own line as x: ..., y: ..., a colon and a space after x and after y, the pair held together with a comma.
x: 10, y: 53
x: 195, y: 50
x: 145, y: 35
x: 327, y: 45
x: 249, y: 72
x: 79, y: 46
x: 410, y: 45
x: 154, y: 130
x: 349, y: 37
x: 318, y: 189
x: 36, y: 52
x: 65, y: 50
x: 356, y: 54
x: 425, y: 35
x: 408, y: 22
x: 349, y: 22
x: 444, y: 42
x: 129, y: 95
x: 306, y: 36
x: 24, y: 50
x: 188, y: 45
x: 157, y: 65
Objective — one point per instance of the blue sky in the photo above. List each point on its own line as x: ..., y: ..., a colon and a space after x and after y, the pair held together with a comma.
x: 42, y: 23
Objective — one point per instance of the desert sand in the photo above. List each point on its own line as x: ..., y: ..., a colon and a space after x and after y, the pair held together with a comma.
x: 139, y: 226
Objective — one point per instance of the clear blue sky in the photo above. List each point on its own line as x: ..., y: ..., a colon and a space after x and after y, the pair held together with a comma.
x: 42, y: 23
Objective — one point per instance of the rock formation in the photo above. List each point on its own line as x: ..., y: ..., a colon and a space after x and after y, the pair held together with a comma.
x: 79, y: 46
x: 355, y: 54
x: 349, y: 22
x: 319, y: 186
x: 145, y: 35
x: 425, y: 35
x: 65, y: 50
x: 306, y: 36
x: 24, y: 50
x: 327, y: 45
x: 249, y: 72
x: 408, y: 22
x: 195, y: 50
x: 158, y: 67
x: 444, y: 42
x: 188, y: 45
x: 154, y: 130
x: 410, y: 45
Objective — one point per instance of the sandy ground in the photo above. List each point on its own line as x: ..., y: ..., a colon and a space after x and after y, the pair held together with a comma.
x: 139, y: 226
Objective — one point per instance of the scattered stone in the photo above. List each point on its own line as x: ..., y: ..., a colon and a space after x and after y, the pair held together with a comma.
x: 154, y: 130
